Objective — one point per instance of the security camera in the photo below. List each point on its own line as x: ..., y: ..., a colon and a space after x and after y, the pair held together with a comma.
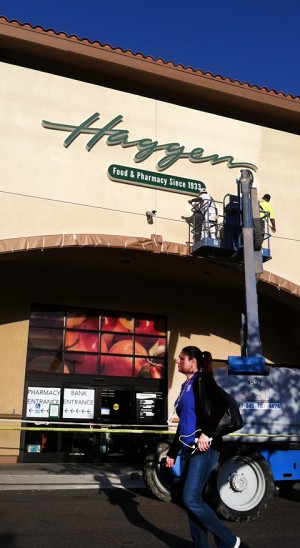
x: 150, y: 215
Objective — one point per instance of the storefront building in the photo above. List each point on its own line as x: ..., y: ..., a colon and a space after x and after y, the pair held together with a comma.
x: 101, y: 152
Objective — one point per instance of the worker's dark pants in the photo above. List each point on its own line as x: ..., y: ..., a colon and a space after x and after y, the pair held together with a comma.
x: 197, y: 468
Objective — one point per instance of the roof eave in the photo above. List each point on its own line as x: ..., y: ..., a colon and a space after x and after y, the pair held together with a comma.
x: 115, y: 68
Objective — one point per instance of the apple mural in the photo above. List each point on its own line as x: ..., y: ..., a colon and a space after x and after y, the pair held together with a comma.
x: 122, y: 365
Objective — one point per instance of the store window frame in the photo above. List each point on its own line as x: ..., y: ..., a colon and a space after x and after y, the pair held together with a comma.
x: 97, y: 382
x: 113, y: 350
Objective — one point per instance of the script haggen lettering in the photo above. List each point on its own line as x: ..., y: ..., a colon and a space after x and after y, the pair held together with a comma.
x: 145, y: 146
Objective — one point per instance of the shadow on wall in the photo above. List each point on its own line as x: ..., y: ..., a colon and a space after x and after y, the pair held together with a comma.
x: 198, y: 305
x: 269, y: 404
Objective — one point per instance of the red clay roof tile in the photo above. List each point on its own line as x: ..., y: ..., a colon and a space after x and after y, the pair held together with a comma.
x: 139, y: 55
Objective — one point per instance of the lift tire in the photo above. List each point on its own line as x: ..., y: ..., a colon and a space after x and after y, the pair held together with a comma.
x: 258, y: 236
x: 158, y: 478
x: 241, y: 487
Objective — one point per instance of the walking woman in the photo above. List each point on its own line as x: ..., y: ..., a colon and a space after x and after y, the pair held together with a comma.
x: 199, y: 456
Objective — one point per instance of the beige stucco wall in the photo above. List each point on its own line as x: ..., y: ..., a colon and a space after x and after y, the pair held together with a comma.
x: 13, y: 345
x: 49, y: 189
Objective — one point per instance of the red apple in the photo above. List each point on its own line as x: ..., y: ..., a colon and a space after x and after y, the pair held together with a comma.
x: 81, y: 341
x: 146, y: 326
x: 119, y: 331
x: 107, y: 324
x: 118, y: 325
x: 122, y: 365
x: 87, y: 364
x: 141, y: 367
x: 82, y: 321
x: 126, y: 322
x: 104, y: 347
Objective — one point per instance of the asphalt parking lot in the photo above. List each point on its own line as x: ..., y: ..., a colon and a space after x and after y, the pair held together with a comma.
x: 122, y: 513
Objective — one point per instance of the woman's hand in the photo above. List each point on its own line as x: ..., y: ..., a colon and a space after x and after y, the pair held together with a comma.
x: 203, y: 442
x: 169, y: 462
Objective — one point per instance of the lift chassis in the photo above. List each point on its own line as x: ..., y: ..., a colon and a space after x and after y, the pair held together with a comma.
x: 265, y: 454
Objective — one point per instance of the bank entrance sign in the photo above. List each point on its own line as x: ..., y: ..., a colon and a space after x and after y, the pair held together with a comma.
x: 78, y: 403
x: 151, y: 179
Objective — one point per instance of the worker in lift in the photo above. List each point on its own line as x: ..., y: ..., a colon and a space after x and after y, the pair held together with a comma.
x: 205, y: 216
x: 267, y: 212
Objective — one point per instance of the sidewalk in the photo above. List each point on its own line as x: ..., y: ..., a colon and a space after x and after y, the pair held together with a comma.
x: 48, y: 476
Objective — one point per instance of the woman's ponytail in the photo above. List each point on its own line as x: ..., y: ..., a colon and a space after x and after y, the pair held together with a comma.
x: 207, y: 366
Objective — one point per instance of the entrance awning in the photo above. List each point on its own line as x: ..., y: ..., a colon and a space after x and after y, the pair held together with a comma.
x: 267, y: 282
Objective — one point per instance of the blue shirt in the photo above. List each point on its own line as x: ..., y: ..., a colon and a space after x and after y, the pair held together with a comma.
x: 185, y: 409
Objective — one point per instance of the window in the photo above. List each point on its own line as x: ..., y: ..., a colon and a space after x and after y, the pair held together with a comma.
x: 89, y: 342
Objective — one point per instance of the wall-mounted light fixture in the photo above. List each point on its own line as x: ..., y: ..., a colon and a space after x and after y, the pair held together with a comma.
x: 150, y: 215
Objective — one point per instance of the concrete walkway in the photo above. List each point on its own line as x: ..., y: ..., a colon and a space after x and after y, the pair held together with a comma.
x: 69, y: 476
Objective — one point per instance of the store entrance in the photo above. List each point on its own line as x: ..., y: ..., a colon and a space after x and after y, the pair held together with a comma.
x: 68, y: 421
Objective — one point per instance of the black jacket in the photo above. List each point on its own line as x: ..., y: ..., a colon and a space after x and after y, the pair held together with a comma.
x: 209, y: 411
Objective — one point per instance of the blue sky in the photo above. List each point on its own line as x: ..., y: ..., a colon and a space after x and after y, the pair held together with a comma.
x: 254, y: 41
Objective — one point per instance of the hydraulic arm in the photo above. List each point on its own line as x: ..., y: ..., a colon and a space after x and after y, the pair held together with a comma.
x: 251, y: 360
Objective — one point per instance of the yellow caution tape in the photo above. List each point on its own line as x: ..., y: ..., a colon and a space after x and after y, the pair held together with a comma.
x: 86, y: 430
x: 131, y: 431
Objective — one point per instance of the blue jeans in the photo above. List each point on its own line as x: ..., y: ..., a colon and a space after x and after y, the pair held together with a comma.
x: 196, y: 471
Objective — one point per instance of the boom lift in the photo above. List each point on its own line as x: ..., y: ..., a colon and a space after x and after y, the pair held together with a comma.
x: 239, y: 241
x: 267, y: 451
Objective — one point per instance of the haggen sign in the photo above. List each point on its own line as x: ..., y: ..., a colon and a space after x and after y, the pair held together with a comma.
x: 145, y: 146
